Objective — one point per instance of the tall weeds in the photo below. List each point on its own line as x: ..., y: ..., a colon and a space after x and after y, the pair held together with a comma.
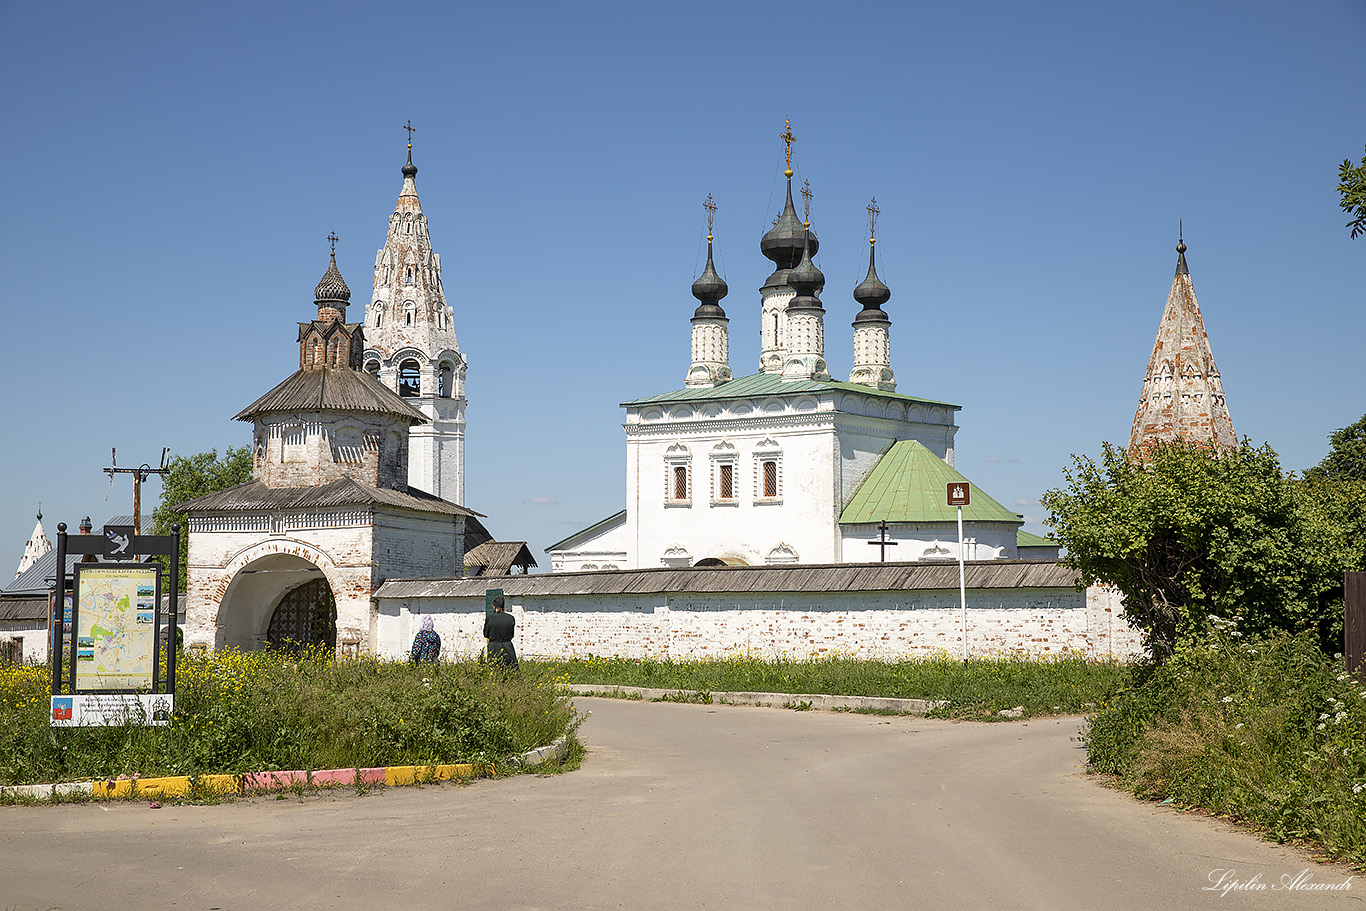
x: 1269, y: 731
x: 240, y: 712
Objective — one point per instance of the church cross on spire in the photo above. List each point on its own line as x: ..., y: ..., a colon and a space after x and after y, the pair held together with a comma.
x: 332, y: 238
x: 788, y: 139
x: 873, y: 213
x: 806, y: 203
x: 411, y: 130
x: 710, y: 206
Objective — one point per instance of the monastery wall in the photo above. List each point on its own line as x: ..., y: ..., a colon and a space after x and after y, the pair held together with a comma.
x: 878, y: 625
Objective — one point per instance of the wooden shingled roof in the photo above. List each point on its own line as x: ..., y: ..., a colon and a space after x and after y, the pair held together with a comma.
x: 496, y: 558
x: 255, y: 496
x: 833, y: 577
x: 331, y: 389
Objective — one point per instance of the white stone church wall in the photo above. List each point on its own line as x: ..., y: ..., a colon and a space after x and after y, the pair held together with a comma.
x: 875, y: 625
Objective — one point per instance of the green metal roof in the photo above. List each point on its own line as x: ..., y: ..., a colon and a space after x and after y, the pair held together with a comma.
x: 910, y: 484
x: 1029, y: 539
x: 759, y: 384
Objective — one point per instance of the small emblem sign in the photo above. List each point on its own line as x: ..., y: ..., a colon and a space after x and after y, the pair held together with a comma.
x: 960, y: 493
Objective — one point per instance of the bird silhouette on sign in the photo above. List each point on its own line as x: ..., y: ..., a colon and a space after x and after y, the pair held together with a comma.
x: 120, y: 543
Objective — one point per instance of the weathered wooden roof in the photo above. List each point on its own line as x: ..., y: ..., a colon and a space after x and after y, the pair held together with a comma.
x: 254, y: 496
x: 332, y: 389
x: 832, y: 577
x: 23, y: 608
x: 496, y: 558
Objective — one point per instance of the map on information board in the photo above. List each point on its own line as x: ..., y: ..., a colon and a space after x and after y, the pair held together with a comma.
x: 115, y: 623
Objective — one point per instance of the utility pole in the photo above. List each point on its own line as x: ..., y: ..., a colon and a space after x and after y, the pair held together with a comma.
x: 139, y: 475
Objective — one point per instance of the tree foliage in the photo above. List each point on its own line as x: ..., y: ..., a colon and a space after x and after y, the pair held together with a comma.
x: 1346, y: 459
x: 1352, y: 188
x: 197, y: 476
x: 1186, y: 532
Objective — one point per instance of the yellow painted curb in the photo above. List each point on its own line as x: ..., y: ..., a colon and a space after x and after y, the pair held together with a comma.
x: 217, y: 784
x: 397, y: 775
x: 179, y: 786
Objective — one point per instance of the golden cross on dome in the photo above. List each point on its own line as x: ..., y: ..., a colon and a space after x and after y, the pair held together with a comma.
x: 788, y: 139
x: 333, y: 238
x: 711, y: 213
x: 806, y: 202
x: 873, y: 213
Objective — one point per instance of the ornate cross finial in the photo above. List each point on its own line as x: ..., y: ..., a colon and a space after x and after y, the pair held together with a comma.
x: 411, y: 130
x: 873, y: 213
x: 788, y: 139
x: 333, y: 238
x: 711, y: 213
x: 806, y: 202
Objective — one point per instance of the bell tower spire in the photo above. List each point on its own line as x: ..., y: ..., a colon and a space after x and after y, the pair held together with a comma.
x: 412, y: 346
x: 1183, y: 394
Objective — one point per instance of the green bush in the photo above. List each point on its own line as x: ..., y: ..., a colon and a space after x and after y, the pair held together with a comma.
x: 1269, y: 731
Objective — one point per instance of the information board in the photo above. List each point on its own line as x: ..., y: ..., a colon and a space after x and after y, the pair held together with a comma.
x: 115, y: 626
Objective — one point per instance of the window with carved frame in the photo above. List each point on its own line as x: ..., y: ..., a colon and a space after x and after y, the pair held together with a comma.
x: 768, y: 473
x: 724, y: 491
x: 678, y: 476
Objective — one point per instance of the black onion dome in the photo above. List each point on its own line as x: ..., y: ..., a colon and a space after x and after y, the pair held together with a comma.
x: 709, y: 288
x: 806, y: 280
x: 410, y: 169
x: 332, y: 288
x: 784, y: 241
x: 872, y: 294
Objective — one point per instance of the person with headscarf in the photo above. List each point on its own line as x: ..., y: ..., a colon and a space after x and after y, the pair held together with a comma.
x: 427, y: 644
x: 499, y: 627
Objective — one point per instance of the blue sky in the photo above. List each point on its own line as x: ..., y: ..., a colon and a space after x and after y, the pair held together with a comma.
x: 172, y: 171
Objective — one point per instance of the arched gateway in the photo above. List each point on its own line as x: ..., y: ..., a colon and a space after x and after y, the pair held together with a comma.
x: 306, y: 616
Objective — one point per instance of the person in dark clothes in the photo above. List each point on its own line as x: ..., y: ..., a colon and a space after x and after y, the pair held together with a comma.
x: 498, y: 629
x: 427, y: 644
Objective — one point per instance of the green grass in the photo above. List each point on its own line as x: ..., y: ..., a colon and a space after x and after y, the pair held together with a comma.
x: 978, y: 688
x: 245, y: 712
x: 1269, y: 732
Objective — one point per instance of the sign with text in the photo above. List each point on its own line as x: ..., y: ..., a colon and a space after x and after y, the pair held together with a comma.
x: 112, y: 710
x: 114, y: 624
x: 960, y: 493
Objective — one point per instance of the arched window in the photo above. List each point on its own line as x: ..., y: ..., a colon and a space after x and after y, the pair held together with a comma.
x: 770, y: 478
x: 446, y: 380
x: 372, y: 368
x: 409, y: 379
x: 409, y: 312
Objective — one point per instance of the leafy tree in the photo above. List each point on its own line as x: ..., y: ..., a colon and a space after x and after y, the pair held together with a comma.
x: 1346, y: 459
x: 1186, y: 531
x: 197, y: 476
x: 1352, y: 187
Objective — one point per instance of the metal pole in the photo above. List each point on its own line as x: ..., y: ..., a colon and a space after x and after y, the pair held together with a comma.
x: 962, y: 584
x: 171, y: 636
x: 59, y: 613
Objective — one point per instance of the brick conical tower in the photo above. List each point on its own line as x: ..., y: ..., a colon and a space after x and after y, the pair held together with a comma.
x: 1183, y: 397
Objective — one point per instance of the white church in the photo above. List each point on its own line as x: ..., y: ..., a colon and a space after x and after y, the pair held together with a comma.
x: 789, y: 464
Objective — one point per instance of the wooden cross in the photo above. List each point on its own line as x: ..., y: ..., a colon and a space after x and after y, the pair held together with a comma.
x: 333, y: 238
x: 711, y: 212
x: 873, y: 213
x: 882, y: 540
x: 806, y: 202
x: 788, y: 139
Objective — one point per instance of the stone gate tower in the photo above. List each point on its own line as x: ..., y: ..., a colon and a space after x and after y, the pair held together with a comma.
x: 412, y: 349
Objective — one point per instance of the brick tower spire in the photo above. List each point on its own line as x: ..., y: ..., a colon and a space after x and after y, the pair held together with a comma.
x: 1183, y: 397
x: 411, y: 345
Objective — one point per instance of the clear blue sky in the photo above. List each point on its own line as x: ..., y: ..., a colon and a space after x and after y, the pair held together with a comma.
x: 172, y: 171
